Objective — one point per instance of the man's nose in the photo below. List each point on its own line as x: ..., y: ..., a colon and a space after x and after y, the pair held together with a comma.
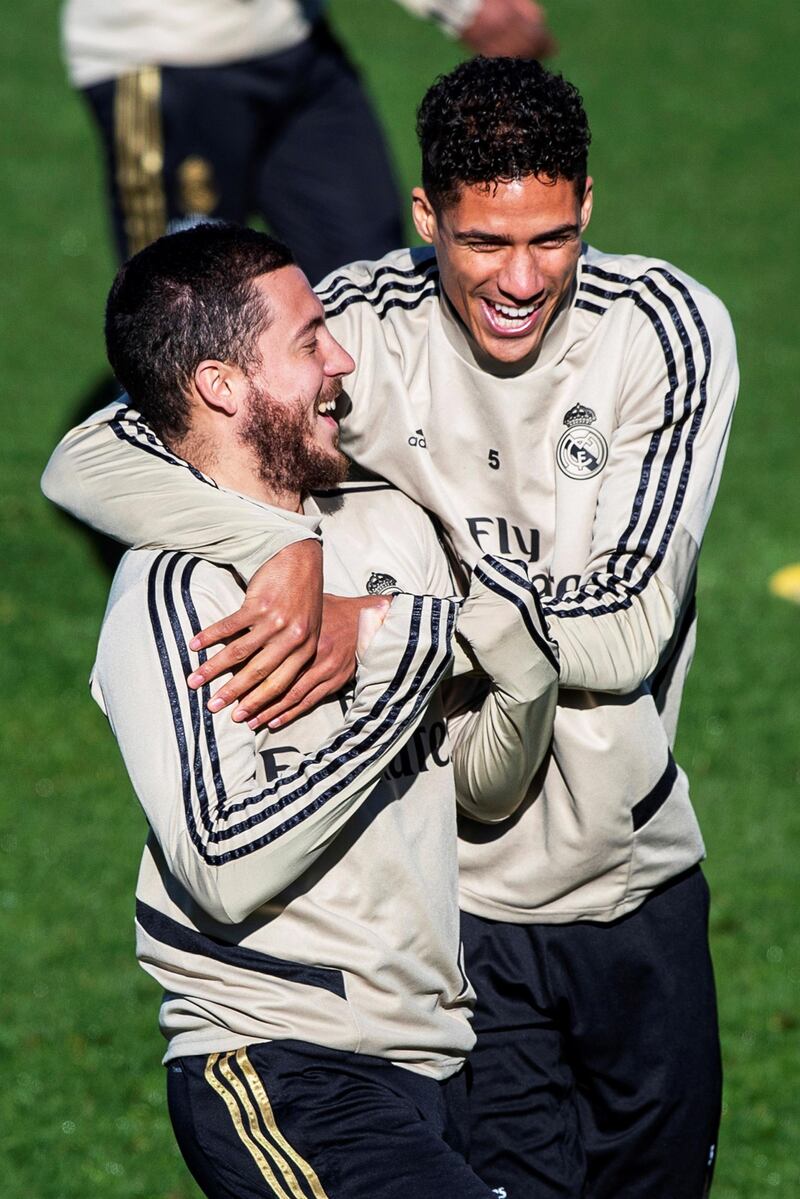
x: 337, y: 360
x: 521, y: 277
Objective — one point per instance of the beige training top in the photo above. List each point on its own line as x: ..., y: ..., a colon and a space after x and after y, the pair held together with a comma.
x: 599, y: 465
x: 303, y: 884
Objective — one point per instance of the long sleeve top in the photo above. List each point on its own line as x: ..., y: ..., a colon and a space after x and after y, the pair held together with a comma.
x: 303, y: 883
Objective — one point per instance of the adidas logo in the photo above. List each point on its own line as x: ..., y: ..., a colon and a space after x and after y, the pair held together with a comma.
x: 418, y: 438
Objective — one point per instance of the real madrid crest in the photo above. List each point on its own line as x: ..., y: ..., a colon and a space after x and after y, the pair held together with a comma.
x: 582, y: 451
x: 382, y: 584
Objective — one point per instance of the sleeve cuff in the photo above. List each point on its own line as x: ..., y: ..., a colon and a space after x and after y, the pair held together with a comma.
x: 453, y: 16
x: 272, y: 543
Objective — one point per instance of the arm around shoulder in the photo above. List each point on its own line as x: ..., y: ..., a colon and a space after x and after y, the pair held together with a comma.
x: 113, y: 473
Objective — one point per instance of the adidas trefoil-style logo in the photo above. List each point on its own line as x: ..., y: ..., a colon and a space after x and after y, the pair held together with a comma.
x: 582, y: 451
x: 418, y: 438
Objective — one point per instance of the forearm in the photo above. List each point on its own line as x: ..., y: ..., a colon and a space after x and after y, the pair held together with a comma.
x: 304, y: 810
x: 655, y: 494
x: 113, y: 474
x: 615, y: 644
x: 232, y: 843
x: 497, y: 751
x: 498, y: 747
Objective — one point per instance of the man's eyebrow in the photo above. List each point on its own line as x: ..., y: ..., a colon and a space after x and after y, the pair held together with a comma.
x: 309, y: 327
x: 464, y: 235
x: 569, y: 230
x: 501, y: 239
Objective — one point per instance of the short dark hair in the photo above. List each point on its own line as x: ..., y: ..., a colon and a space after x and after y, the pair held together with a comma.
x: 186, y: 297
x: 493, y: 120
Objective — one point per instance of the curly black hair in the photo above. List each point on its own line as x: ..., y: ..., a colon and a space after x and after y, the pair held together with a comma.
x: 496, y: 119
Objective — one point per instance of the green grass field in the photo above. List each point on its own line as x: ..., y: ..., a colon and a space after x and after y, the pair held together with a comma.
x: 695, y: 115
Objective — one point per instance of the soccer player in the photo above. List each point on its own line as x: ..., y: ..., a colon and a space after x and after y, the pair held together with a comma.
x: 297, y: 898
x: 543, y: 398
x: 227, y: 108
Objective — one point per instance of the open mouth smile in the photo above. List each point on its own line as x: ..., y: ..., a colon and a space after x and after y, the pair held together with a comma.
x: 506, y: 320
x: 326, y: 409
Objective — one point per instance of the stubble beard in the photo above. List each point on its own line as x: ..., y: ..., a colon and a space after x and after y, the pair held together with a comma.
x: 282, y: 438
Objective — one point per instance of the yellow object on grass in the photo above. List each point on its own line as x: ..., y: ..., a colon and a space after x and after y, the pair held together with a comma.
x: 786, y: 583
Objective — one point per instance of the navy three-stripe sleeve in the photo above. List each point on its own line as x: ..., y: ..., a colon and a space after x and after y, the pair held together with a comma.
x: 232, y: 843
x: 500, y: 740
x: 665, y: 457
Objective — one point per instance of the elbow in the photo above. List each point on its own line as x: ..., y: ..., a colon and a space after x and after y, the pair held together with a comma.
x: 233, y: 904
x: 231, y: 899
x: 215, y: 892
x: 51, y: 481
x: 645, y: 651
x: 493, y: 805
x: 232, y: 891
x: 222, y: 909
x: 208, y: 896
x: 229, y: 913
x: 485, y: 816
x: 625, y: 678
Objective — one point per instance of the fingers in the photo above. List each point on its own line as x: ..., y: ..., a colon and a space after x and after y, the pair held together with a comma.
x: 222, y: 630
x: 348, y: 624
x: 279, y: 715
x: 263, y: 647
x: 330, y: 671
x: 516, y: 28
x: 288, y: 673
x: 266, y: 675
x: 273, y: 632
x: 260, y: 683
x: 230, y: 659
x: 314, y: 685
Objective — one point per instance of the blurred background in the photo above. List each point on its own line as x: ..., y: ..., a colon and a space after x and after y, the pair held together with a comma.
x: 694, y: 112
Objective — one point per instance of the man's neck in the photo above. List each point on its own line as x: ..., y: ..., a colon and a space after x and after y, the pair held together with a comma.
x: 250, y: 483
x: 235, y: 471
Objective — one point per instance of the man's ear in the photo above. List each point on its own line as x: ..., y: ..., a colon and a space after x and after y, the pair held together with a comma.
x: 423, y: 215
x: 219, y: 385
x: 586, y: 203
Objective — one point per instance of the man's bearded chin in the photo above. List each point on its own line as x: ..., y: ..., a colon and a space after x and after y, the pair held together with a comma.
x: 282, y: 438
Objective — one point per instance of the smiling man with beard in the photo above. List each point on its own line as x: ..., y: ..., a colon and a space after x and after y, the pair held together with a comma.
x: 282, y: 439
x: 297, y: 897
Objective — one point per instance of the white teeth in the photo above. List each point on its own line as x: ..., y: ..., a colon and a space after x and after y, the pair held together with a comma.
x: 517, y: 313
x: 326, y: 406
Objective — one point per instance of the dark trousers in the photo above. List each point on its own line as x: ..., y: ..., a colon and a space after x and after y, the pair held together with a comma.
x: 597, y: 1069
x: 286, y: 1118
x: 290, y: 137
